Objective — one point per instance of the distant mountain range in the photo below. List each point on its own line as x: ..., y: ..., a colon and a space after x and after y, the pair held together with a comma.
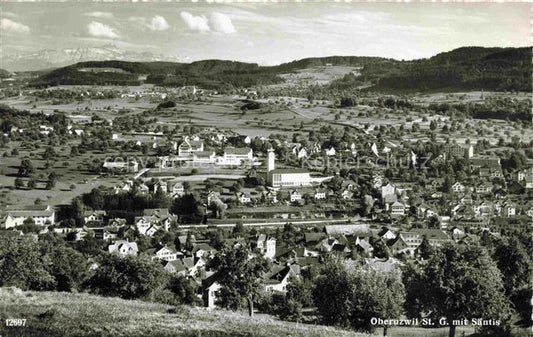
x: 48, y: 59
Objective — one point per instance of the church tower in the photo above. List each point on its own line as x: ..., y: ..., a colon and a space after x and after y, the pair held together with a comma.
x: 271, y: 160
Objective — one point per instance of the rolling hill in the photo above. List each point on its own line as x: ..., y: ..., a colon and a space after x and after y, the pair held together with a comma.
x: 56, y: 314
x: 468, y: 68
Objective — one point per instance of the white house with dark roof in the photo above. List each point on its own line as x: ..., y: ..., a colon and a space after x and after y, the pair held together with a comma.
x: 94, y: 216
x: 189, y: 147
x: 14, y: 216
x: 243, y: 198
x: 166, y: 253
x: 236, y: 156
x: 123, y: 248
x: 176, y: 188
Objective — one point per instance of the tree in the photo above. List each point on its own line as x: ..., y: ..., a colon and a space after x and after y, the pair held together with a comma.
x: 127, y: 277
x: 187, y: 208
x: 69, y: 267
x: 459, y: 282
x: 50, y: 184
x: 23, y: 265
x: 381, y: 250
x: 240, y: 275
x: 19, y: 183
x: 425, y: 250
x: 31, y: 184
x: 351, y: 297
x: 238, y: 229
x: 515, y: 264
x: 434, y: 222
x: 299, y: 295
x: 183, y: 289
x: 26, y: 168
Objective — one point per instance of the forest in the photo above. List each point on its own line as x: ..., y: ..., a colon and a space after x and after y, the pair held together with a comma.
x: 467, y: 68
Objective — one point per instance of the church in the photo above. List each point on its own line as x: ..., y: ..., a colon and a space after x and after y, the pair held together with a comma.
x: 285, y: 177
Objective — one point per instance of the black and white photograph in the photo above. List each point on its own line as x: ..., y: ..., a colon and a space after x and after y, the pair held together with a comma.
x: 266, y: 168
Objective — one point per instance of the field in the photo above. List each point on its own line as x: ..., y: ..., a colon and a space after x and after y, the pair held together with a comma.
x: 67, y: 315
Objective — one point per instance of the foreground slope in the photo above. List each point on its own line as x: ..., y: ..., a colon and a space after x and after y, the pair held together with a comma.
x: 65, y: 314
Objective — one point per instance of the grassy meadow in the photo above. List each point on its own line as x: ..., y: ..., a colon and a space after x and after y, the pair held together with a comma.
x: 53, y: 314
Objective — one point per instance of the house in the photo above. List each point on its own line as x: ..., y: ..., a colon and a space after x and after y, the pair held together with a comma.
x: 266, y: 245
x: 243, y: 198
x: 347, y: 194
x: 327, y: 245
x: 211, y: 196
x: 156, y: 212
x: 210, y: 288
x: 483, y: 187
x: 454, y: 150
x: 143, y: 189
x: 295, y: 196
x: 414, y: 237
x: 485, y: 161
x: 346, y: 229
x: 201, y: 250
x: 528, y: 182
x: 386, y: 234
x: 320, y: 194
x: 166, y: 253
x: 363, y: 246
x: 278, y: 278
x: 189, y: 147
x: 434, y: 185
x: 116, y: 222
x: 331, y: 151
x: 176, y: 266
x: 105, y: 233
x: 159, y: 185
x: 300, y: 152
x: 312, y: 239
x: 14, y: 216
x: 386, y: 190
x: 487, y: 172
x: 176, y: 189
x: 271, y: 196
x: 397, y: 209
x: 508, y: 210
x: 146, y: 225
x: 458, y: 187
x: 236, y: 156
x: 93, y: 216
x: 206, y: 157
x: 123, y: 248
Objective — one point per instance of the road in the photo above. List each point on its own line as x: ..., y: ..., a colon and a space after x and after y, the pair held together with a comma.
x: 273, y: 223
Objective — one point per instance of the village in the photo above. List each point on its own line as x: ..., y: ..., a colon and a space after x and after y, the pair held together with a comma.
x: 372, y: 196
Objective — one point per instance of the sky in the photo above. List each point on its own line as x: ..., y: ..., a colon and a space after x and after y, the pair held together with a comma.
x: 265, y: 33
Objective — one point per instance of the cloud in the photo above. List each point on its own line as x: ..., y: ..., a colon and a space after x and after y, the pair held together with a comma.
x: 221, y: 23
x: 101, y: 15
x: 13, y: 26
x: 158, y: 23
x: 199, y: 23
x: 98, y: 29
x: 217, y: 22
